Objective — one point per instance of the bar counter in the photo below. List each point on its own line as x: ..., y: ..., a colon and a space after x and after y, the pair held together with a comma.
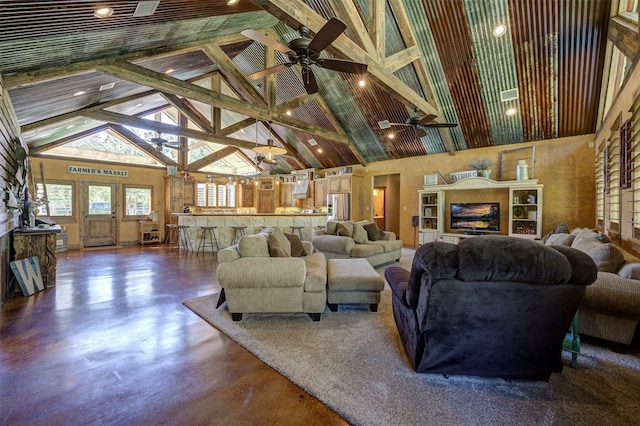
x: 254, y: 222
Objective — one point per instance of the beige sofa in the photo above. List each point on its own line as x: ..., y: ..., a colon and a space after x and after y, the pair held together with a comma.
x: 347, y: 239
x: 254, y: 281
x: 610, y: 309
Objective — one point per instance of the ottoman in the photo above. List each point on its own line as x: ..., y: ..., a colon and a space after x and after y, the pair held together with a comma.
x: 353, y: 281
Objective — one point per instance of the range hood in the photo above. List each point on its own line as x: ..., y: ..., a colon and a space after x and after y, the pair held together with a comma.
x: 301, y: 189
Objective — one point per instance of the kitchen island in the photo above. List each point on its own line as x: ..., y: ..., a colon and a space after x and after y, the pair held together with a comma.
x: 302, y: 224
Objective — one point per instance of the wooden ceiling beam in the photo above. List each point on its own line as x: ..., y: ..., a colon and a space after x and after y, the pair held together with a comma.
x: 189, y: 111
x: 236, y: 78
x: 377, y: 28
x: 624, y: 34
x: 349, y: 14
x: 166, y: 83
x: 211, y: 158
x: 236, y: 127
x: 143, y: 123
x: 141, y: 144
x: 401, y: 59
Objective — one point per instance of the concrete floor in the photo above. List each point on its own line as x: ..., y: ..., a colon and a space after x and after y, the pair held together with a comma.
x: 112, y: 344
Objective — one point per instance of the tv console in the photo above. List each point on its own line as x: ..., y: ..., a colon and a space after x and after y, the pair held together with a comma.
x: 521, y: 216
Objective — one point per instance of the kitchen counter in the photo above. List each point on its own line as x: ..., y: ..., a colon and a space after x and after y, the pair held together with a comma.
x: 254, y: 222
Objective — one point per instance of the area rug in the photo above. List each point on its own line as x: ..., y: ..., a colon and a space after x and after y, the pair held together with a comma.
x: 353, y: 361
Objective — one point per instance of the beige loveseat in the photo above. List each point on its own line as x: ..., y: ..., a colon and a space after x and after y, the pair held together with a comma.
x: 254, y: 281
x: 610, y: 309
x: 347, y: 239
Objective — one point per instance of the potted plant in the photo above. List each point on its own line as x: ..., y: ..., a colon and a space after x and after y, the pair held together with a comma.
x: 482, y: 166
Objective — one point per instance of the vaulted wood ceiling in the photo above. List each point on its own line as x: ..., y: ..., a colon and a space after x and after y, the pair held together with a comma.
x: 437, y: 56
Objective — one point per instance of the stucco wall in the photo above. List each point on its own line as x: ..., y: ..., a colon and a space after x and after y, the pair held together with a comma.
x: 564, y: 166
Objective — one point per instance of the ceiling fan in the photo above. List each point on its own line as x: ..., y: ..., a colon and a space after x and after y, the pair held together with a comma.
x: 161, y: 142
x: 263, y: 159
x: 419, y: 123
x: 305, y: 52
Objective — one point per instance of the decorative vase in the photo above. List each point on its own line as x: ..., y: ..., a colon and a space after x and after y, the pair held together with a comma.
x: 485, y: 173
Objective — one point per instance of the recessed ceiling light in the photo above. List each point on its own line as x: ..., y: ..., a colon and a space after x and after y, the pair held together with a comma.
x: 499, y: 30
x: 391, y: 136
x: 289, y: 112
x: 362, y: 83
x: 511, y: 111
x: 80, y: 93
x: 70, y: 126
x: 103, y: 12
x: 319, y: 150
x: 232, y: 2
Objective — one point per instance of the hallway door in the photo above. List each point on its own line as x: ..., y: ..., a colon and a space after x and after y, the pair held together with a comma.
x: 99, y: 214
x: 378, y: 206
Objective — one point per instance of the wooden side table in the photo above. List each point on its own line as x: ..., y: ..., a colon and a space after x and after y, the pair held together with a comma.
x: 28, y: 242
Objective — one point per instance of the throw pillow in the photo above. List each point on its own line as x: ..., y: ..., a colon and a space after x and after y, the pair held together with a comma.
x: 630, y: 270
x: 560, y: 240
x: 297, y: 250
x: 562, y: 228
x: 359, y: 234
x: 330, y: 227
x: 253, y: 246
x: 275, y: 249
x: 606, y: 256
x: 284, y: 242
x: 373, y: 232
x: 345, y: 229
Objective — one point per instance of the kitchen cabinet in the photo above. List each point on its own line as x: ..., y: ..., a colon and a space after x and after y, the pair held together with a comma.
x: 320, y: 192
x: 340, y: 184
x: 173, y: 197
x: 189, y: 194
x: 247, y: 195
x: 286, y: 194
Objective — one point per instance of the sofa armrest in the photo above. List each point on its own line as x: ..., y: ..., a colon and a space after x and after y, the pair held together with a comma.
x: 398, y: 279
x: 307, y: 246
x: 389, y: 236
x: 334, y: 243
x: 266, y: 272
x: 228, y: 254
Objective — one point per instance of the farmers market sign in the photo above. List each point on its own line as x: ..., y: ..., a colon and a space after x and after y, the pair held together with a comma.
x: 97, y: 171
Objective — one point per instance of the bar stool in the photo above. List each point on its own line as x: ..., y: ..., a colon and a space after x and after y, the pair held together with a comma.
x: 213, y: 241
x: 172, y: 238
x: 238, y: 231
x: 183, y: 237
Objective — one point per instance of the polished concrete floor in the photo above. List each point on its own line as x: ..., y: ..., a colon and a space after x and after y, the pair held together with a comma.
x: 112, y: 344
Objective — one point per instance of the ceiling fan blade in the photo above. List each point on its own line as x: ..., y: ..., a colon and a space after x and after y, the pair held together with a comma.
x: 267, y: 71
x: 263, y: 39
x: 342, y: 66
x: 420, y: 132
x: 427, y: 118
x: 329, y: 32
x: 309, y: 80
x: 441, y: 124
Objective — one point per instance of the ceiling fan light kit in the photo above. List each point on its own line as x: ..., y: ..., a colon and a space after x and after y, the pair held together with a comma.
x: 305, y: 52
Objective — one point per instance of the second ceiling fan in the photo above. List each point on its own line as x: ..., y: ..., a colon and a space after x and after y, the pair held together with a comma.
x: 305, y: 52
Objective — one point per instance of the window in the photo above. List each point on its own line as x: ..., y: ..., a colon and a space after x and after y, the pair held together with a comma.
x: 60, y: 197
x: 215, y: 195
x: 614, y: 181
x: 137, y: 201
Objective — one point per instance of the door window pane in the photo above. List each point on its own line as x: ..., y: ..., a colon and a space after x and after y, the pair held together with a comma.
x: 99, y: 200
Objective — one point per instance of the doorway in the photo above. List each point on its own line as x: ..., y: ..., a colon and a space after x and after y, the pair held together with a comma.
x: 378, y: 206
x: 386, y: 203
x: 99, y: 224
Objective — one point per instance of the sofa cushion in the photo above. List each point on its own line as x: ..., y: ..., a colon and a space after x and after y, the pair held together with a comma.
x: 560, y: 240
x: 589, y: 234
x: 374, y: 233
x: 388, y: 245
x: 359, y: 234
x: 334, y: 243
x: 345, y: 229
x: 607, y: 256
x: 254, y: 245
x: 562, y: 228
x: 297, y: 250
x: 630, y: 270
x: 275, y: 247
x: 366, y: 250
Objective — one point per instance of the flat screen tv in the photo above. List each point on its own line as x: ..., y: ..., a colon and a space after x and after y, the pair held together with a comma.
x: 475, y: 217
